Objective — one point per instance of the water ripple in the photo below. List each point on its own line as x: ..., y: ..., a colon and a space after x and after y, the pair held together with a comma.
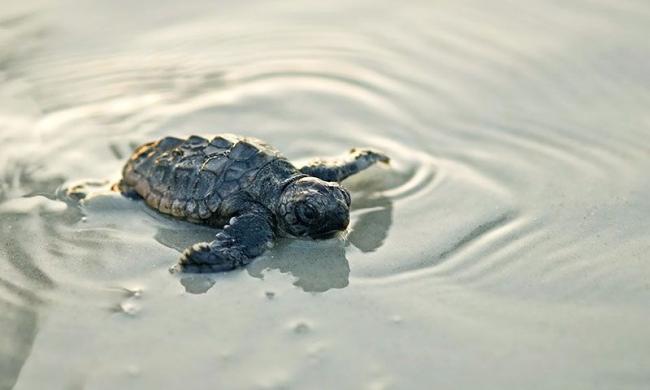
x: 518, y: 138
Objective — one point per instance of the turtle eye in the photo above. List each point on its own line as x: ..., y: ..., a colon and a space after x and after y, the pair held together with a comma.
x: 306, y: 213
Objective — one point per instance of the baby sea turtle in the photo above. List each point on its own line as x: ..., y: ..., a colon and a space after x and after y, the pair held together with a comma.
x: 245, y: 187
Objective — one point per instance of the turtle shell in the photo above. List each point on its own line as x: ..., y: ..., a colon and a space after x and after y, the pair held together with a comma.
x: 190, y: 178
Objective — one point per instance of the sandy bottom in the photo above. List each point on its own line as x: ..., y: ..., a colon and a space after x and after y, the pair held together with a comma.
x: 505, y: 247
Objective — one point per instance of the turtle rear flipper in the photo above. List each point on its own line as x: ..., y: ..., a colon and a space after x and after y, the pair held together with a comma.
x: 125, y: 190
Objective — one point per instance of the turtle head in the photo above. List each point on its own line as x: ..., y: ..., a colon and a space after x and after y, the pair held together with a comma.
x: 310, y: 207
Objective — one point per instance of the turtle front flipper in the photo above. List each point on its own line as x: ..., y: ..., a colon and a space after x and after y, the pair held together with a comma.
x: 339, y: 169
x: 247, y: 236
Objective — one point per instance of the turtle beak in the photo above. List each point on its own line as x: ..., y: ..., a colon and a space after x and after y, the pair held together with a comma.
x: 330, y: 229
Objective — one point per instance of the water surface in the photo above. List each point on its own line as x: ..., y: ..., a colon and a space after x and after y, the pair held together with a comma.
x: 505, y: 247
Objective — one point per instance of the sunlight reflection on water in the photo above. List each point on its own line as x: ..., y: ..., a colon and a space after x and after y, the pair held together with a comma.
x: 509, y: 231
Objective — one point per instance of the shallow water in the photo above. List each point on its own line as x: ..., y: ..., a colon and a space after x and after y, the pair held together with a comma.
x: 505, y: 247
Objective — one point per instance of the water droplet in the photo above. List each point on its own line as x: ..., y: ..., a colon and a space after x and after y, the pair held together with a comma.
x: 378, y: 385
x: 225, y: 355
x: 396, y: 319
x: 313, y: 351
x: 129, y: 308
x: 301, y: 328
x: 135, y: 292
x: 133, y: 370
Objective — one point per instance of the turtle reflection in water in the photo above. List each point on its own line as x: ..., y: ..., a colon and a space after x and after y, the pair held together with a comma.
x: 315, y: 266
x: 245, y: 187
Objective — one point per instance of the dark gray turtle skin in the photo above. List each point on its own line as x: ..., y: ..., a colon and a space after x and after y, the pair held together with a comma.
x: 244, y: 187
